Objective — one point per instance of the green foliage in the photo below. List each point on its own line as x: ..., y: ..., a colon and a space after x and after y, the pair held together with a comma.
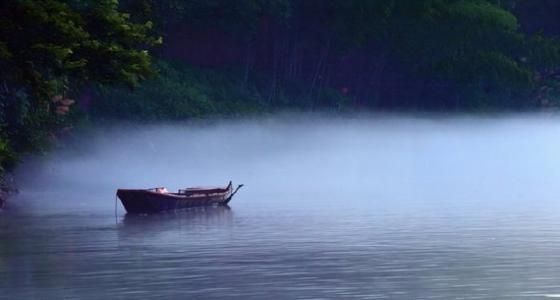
x: 359, y: 22
x: 451, y: 54
x: 23, y: 126
x: 47, y: 40
x: 543, y: 53
x: 182, y: 92
x: 462, y: 43
x: 179, y: 92
x: 7, y: 156
x: 418, y: 46
x: 53, y: 47
x: 238, y: 17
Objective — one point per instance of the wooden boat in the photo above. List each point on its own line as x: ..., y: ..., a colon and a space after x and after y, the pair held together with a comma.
x: 154, y: 200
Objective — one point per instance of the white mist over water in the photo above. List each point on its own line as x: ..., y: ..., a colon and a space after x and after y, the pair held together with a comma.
x: 351, y: 207
x: 373, y: 158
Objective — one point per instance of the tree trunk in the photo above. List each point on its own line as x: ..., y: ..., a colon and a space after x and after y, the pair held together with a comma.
x: 319, y: 68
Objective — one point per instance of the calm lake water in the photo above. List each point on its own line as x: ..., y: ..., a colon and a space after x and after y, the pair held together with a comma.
x: 369, y: 207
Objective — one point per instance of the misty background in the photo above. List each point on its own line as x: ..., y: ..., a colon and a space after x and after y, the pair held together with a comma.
x: 315, y: 157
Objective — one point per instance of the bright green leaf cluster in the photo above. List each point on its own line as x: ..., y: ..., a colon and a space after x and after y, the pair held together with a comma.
x: 53, y: 47
x: 85, y: 41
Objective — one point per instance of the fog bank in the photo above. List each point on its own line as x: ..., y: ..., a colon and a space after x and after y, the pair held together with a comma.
x: 310, y: 159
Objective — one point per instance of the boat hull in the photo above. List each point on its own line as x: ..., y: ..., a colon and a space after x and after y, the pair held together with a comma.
x: 147, y: 202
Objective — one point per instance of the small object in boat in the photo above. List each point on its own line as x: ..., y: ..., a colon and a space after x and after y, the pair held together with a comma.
x: 162, y: 190
x: 145, y: 201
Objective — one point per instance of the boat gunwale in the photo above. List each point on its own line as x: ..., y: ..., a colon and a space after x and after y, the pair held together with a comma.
x: 175, y: 195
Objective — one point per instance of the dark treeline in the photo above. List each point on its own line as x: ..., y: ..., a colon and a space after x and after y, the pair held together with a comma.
x: 387, y: 54
x: 223, y: 57
x: 429, y: 54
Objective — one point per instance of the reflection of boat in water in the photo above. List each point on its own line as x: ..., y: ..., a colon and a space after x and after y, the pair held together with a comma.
x: 205, y: 215
x: 145, y: 201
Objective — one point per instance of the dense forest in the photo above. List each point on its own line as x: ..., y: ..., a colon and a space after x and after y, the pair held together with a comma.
x: 66, y: 61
